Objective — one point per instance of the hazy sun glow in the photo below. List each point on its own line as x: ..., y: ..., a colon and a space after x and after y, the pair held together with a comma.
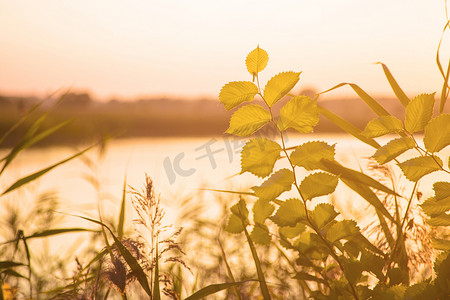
x: 130, y: 48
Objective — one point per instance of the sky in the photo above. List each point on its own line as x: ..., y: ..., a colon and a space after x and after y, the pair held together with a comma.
x: 191, y: 48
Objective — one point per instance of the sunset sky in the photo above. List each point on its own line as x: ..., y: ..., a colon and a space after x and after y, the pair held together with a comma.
x: 134, y: 48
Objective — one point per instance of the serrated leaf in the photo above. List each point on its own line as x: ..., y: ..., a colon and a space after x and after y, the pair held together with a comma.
x: 248, y: 119
x: 433, y: 207
x: 318, y: 184
x: 394, y: 292
x: 234, y: 93
x: 262, y: 210
x: 260, y: 234
x: 437, y: 133
x: 373, y: 263
x: 291, y: 232
x: 441, y: 189
x: 240, y: 209
x: 234, y: 224
x: 256, y: 61
x: 382, y: 126
x: 308, y: 277
x: 418, y: 112
x: 289, y: 213
x: 300, y: 113
x: 353, y: 270
x: 309, y: 155
x: 279, y: 182
x: 322, y: 215
x: 259, y: 155
x: 279, y: 85
x: 342, y: 229
x: 337, y: 169
x: 416, y: 168
x: 440, y: 220
x: 393, y: 149
x: 440, y: 244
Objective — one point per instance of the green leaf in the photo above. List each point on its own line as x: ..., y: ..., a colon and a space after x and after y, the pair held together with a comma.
x: 256, y: 61
x: 394, y: 292
x: 279, y: 182
x: 309, y: 154
x: 419, y: 112
x: 307, y: 277
x: 289, y: 213
x: 291, y: 232
x: 382, y: 126
x: 373, y: 263
x: 416, y: 168
x: 299, y: 113
x: 347, y: 127
x: 234, y: 93
x: 38, y: 174
x: 234, y: 225
x: 433, y: 207
x: 318, y: 184
x: 341, y: 230
x: 240, y: 209
x: 260, y: 234
x: 393, y: 149
x: 214, y: 288
x: 353, y: 270
x: 441, y: 189
x: 337, y: 169
x: 440, y: 244
x: 279, y: 85
x: 262, y: 210
x: 258, y: 156
x: 248, y: 119
x: 395, y: 87
x: 322, y: 215
x: 440, y: 220
x: 437, y: 133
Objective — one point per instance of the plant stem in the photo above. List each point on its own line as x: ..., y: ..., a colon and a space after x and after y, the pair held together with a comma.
x: 330, y: 247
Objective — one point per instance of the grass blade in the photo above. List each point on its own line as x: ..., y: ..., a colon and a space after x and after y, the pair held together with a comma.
x: 50, y: 232
x: 259, y: 271
x: 129, y: 258
x: 347, y: 127
x: 394, y: 85
x: 214, y: 288
x: 28, y: 142
x: 445, y: 87
x: 121, y: 222
x: 6, y: 264
x: 156, y: 291
x: 372, y: 103
x: 19, y: 122
x: 230, y: 273
x: 38, y: 174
